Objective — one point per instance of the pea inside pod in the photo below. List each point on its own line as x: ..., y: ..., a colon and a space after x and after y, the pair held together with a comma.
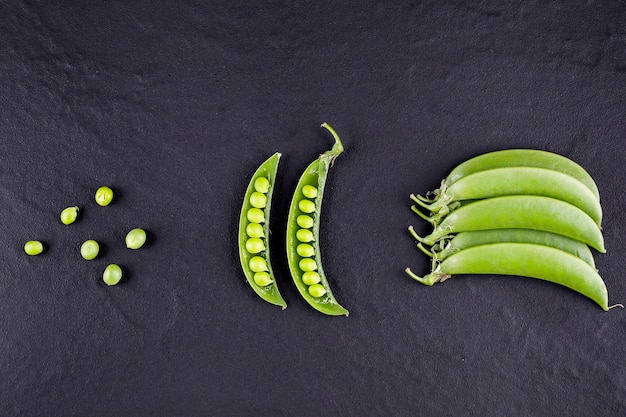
x: 303, y: 223
x: 254, y: 232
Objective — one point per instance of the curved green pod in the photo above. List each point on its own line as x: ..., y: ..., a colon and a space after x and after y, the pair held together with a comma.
x: 254, y: 232
x: 303, y: 224
x: 521, y: 212
x: 523, y: 158
x: 470, y: 239
x: 526, y: 260
x: 517, y: 180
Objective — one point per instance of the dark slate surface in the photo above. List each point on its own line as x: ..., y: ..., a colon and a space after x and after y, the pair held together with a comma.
x: 175, y: 103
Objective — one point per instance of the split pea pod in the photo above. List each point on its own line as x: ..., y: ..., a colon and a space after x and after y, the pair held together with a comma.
x: 517, y: 180
x: 521, y: 212
x: 526, y: 260
x: 303, y: 222
x: 523, y: 158
x: 470, y: 239
x: 254, y: 232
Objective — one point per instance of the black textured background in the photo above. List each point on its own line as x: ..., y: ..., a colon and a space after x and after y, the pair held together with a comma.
x: 175, y: 103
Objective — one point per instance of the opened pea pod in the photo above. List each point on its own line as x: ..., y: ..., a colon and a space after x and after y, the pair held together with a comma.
x: 303, y: 222
x: 254, y: 232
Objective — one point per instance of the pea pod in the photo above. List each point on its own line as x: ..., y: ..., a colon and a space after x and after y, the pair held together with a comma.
x: 254, y: 232
x: 516, y: 180
x: 523, y: 158
x: 523, y: 259
x: 470, y: 239
x: 307, y: 272
x: 521, y: 212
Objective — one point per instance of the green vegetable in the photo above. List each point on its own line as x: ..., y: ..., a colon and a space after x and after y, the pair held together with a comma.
x: 515, y: 181
x: 522, y: 259
x: 306, y: 206
x: 33, y: 247
x: 104, y: 196
x: 89, y: 249
x: 523, y: 158
x: 254, y: 232
x: 69, y: 215
x: 303, y: 222
x: 135, y: 239
x: 112, y: 274
x: 470, y: 239
x: 521, y: 212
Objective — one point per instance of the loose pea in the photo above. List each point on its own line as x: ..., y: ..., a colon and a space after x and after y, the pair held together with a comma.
x: 306, y: 206
x: 307, y: 264
x: 305, y: 235
x: 112, y: 274
x: 254, y: 230
x: 304, y: 221
x: 305, y: 250
x: 262, y: 185
x: 311, y: 277
x: 135, y: 238
x: 258, y: 200
x: 257, y: 264
x: 33, y: 247
x: 104, y: 196
x: 255, y: 245
x: 69, y: 215
x: 89, y: 249
x: 255, y: 215
x: 309, y: 191
x: 262, y: 279
x: 317, y: 290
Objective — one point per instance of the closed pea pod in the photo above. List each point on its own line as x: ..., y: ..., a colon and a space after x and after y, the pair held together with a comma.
x: 522, y: 259
x: 521, y: 212
x: 523, y: 158
x: 473, y: 238
x: 516, y: 181
x: 303, y: 228
x: 254, y: 232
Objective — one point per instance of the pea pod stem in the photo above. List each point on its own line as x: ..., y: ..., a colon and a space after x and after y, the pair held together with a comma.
x: 337, y: 148
x: 526, y: 260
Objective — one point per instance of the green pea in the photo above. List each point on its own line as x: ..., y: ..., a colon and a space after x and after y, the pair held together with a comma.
x: 135, y: 238
x: 262, y: 185
x: 262, y: 279
x: 257, y: 264
x: 33, y: 247
x: 89, y: 249
x: 255, y: 245
x: 69, y: 215
x: 307, y: 264
x: 254, y: 230
x: 255, y: 215
x: 305, y: 250
x: 306, y: 206
x: 311, y: 277
x: 104, y: 196
x: 305, y: 235
x: 258, y: 200
x: 304, y: 221
x: 309, y: 191
x: 317, y: 290
x: 112, y: 274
